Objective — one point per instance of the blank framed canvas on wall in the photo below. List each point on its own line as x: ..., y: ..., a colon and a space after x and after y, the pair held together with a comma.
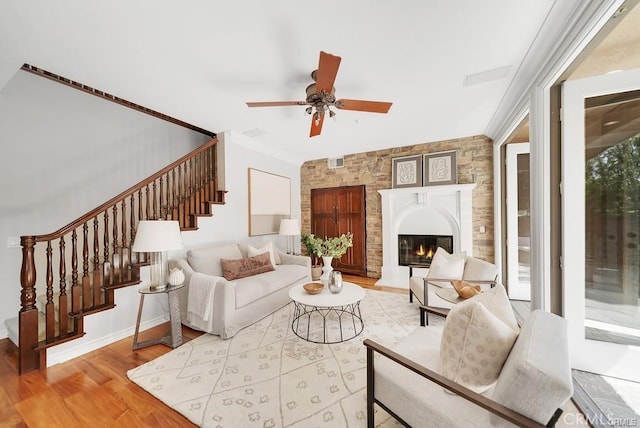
x: 269, y: 201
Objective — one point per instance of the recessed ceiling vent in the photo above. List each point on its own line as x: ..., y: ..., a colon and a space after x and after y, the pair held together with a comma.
x: 335, y: 163
x: 486, y: 76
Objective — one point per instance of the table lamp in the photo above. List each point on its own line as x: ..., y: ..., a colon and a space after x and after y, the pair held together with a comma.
x: 156, y: 237
x: 289, y: 227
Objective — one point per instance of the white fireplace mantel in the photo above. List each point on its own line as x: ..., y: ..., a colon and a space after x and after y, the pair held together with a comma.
x: 429, y: 210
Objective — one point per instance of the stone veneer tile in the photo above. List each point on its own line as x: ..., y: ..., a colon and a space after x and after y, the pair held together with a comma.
x: 373, y: 169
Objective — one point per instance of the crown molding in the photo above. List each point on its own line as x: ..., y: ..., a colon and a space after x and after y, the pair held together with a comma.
x: 566, y: 31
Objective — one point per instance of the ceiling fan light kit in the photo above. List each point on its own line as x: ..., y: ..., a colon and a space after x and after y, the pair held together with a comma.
x: 321, y: 96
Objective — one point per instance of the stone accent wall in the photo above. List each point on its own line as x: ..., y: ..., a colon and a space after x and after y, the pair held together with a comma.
x: 373, y: 169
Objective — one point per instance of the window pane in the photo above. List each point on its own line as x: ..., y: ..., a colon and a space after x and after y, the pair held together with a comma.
x: 612, y: 218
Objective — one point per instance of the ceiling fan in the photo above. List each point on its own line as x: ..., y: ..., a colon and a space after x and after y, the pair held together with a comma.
x: 321, y: 96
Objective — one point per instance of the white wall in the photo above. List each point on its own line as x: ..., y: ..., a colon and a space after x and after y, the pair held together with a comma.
x: 65, y: 152
x: 230, y: 222
x: 62, y: 153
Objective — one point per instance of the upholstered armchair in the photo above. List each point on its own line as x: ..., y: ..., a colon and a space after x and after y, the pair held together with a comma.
x: 435, y: 290
x: 477, y: 369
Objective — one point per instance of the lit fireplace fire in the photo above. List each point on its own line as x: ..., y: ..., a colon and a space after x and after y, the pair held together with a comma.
x: 419, y: 249
x: 422, y: 253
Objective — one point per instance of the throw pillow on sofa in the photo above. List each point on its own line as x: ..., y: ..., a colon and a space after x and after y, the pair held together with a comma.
x: 207, y: 260
x: 241, y: 268
x: 273, y: 255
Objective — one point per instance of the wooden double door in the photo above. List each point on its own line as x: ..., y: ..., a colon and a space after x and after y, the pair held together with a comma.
x: 339, y: 210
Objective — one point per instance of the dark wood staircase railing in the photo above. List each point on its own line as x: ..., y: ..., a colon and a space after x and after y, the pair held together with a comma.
x: 82, y: 264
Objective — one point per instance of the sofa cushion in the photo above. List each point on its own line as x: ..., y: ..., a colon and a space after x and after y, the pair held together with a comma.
x: 207, y: 260
x: 255, y: 287
x: 536, y: 378
x: 475, y: 344
x: 268, y: 248
x: 242, y: 268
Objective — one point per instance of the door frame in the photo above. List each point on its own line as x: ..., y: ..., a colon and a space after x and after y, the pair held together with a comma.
x: 535, y: 98
x: 511, y: 214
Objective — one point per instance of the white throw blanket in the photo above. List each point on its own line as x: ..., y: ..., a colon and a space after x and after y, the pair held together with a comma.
x: 200, y: 302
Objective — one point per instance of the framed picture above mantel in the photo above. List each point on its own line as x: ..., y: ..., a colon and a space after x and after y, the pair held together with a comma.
x: 440, y: 168
x: 406, y: 171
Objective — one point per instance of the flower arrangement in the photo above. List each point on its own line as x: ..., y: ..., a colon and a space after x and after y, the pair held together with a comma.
x: 336, y: 247
x: 327, y: 247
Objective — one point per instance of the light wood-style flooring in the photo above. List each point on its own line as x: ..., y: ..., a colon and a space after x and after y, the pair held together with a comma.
x: 93, y: 390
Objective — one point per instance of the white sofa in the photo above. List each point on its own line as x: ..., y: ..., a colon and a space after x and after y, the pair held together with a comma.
x: 534, y: 383
x: 215, y: 305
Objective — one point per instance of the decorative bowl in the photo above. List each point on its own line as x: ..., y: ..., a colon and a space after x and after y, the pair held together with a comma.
x: 465, y: 289
x: 313, y: 287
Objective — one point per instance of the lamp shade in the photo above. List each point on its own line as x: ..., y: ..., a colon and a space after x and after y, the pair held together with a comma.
x: 157, y: 235
x: 289, y: 227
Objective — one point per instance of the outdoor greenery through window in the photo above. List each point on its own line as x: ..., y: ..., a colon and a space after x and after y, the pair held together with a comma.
x: 612, y: 180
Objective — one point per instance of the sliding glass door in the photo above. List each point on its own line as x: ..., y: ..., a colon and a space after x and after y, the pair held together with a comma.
x: 601, y: 222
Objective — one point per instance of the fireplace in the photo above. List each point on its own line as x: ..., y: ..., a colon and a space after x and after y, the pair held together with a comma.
x: 419, y: 249
x: 438, y: 211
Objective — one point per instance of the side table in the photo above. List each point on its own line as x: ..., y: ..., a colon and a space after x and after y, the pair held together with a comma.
x: 174, y: 337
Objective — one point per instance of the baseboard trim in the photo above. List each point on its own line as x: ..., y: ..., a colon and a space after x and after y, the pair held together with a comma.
x: 60, y: 356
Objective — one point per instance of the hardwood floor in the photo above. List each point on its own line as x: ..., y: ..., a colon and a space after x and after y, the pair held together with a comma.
x: 93, y: 390
x: 370, y: 284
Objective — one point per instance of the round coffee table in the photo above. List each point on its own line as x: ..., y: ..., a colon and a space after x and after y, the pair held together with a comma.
x: 326, y: 317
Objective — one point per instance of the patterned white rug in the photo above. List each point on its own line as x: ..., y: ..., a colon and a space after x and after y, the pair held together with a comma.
x: 266, y: 376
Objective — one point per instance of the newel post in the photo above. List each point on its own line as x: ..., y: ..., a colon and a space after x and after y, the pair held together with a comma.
x: 28, y: 317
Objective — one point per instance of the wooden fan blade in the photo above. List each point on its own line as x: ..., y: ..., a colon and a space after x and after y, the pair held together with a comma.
x: 276, y: 103
x: 327, y: 71
x: 316, y: 124
x: 361, y: 105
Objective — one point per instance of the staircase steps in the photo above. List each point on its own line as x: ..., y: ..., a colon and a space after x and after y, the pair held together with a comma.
x: 93, y: 310
x: 43, y: 345
x: 91, y: 257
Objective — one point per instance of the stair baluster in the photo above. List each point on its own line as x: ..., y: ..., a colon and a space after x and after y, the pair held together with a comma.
x: 86, y: 281
x: 97, y: 277
x: 49, y: 311
x: 181, y: 191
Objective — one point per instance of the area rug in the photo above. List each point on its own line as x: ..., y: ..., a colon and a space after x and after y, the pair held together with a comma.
x: 266, y: 376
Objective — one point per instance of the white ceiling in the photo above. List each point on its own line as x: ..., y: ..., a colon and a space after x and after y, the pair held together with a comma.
x: 200, y: 61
